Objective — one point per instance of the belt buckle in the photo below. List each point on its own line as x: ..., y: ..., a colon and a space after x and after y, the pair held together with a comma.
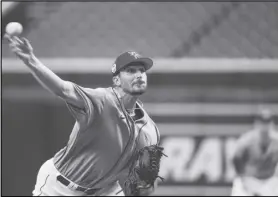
x: 86, y: 190
x: 73, y: 185
x: 67, y: 183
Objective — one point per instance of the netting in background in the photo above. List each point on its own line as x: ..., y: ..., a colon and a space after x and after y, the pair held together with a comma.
x: 165, y: 29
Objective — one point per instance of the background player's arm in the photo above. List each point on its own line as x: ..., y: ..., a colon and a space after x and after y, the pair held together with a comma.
x: 238, y: 163
x: 44, y: 75
x: 239, y: 158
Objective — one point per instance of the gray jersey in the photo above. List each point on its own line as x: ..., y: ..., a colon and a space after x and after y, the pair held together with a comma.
x: 103, y: 139
x: 252, y: 160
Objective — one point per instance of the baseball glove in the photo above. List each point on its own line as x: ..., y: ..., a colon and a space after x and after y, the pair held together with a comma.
x: 145, y: 172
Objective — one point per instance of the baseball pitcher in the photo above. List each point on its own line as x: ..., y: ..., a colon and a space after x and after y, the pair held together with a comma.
x: 113, y: 137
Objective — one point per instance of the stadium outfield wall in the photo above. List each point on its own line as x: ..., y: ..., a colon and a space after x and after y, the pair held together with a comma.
x: 162, y: 65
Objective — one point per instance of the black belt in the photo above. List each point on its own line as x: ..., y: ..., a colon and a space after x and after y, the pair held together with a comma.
x: 66, y: 182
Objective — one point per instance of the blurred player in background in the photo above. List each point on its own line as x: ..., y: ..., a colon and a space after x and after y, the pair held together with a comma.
x: 111, y: 127
x: 255, y: 159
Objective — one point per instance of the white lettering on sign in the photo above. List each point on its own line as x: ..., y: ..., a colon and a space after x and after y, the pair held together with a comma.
x: 230, y: 144
x: 185, y: 164
x: 179, y: 151
x: 207, y: 161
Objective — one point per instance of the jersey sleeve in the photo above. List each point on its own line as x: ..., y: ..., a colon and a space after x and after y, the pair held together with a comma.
x: 93, y: 100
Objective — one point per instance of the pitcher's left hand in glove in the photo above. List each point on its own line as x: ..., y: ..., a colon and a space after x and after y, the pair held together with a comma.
x: 145, y: 173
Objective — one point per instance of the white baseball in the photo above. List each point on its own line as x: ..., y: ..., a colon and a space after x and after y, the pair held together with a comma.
x: 14, y: 29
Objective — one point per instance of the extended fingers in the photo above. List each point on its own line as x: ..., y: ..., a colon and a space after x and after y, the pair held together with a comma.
x: 16, y: 50
x: 14, y: 46
x: 8, y: 37
x: 27, y: 43
x: 13, y: 39
x: 18, y: 40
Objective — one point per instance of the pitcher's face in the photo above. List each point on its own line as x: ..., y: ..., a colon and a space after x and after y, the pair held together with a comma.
x: 133, y: 79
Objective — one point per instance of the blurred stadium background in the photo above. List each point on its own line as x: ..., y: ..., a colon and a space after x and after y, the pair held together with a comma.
x: 215, y: 65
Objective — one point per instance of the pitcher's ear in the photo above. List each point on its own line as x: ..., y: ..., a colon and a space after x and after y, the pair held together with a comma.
x: 116, y: 80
